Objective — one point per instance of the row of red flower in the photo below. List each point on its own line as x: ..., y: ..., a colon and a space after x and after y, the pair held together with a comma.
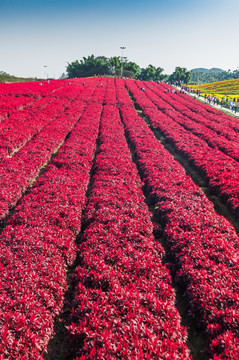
x: 19, y: 171
x: 123, y: 303
x: 34, y: 89
x: 16, y: 96
x: 10, y: 104
x: 26, y: 164
x: 203, y: 243
x: 203, y: 109
x: 221, y: 171
x: 215, y: 115
x: 110, y: 93
x: 219, y: 136
x: 38, y: 243
x: 21, y: 126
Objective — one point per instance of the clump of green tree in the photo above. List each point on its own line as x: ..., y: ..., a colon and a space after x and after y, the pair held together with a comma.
x: 101, y: 65
x: 180, y: 75
x: 114, y: 66
x: 88, y: 67
x: 152, y: 73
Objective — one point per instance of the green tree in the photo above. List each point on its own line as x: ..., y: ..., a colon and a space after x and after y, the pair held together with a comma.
x: 88, y: 67
x: 148, y: 73
x: 152, y: 73
x: 74, y: 69
x: 158, y: 74
x: 114, y: 64
x: 132, y: 67
x: 181, y: 75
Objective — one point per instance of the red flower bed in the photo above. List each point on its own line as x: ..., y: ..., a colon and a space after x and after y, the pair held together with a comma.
x: 211, y: 117
x: 28, y: 161
x: 123, y: 304
x: 208, y: 112
x: 18, y: 96
x: 204, y: 245
x: 220, y: 136
x: 10, y: 104
x: 38, y: 243
x: 19, y: 129
x: 221, y: 171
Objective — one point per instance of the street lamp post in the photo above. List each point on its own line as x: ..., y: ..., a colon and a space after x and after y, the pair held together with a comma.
x: 45, y: 66
x: 122, y: 48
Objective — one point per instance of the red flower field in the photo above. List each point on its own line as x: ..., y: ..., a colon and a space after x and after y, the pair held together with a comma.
x: 97, y: 217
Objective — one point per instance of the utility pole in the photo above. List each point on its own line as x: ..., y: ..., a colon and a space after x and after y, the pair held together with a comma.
x: 122, y: 48
x: 45, y: 66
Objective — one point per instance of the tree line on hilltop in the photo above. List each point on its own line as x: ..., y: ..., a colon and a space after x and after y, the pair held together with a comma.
x: 114, y: 66
x: 121, y: 66
x: 118, y: 66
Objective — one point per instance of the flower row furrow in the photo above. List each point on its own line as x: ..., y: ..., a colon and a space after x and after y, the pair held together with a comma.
x: 220, y: 170
x: 10, y: 104
x: 21, y: 126
x: 110, y: 93
x: 123, y: 304
x: 205, y: 110
x: 182, y: 104
x: 38, y: 244
x: 19, y: 129
x: 203, y: 243
x: 29, y: 160
x: 17, y: 96
x: 213, y: 118
x: 221, y: 137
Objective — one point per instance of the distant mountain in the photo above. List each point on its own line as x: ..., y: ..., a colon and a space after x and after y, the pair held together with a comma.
x: 207, y: 71
x: 203, y: 76
x: 216, y: 70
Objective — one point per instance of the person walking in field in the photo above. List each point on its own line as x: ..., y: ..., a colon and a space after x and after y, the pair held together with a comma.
x: 236, y: 107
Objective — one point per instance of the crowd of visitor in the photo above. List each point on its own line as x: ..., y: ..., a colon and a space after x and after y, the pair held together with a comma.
x: 231, y: 104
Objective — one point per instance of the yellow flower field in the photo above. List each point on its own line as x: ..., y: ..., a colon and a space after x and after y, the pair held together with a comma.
x: 221, y: 89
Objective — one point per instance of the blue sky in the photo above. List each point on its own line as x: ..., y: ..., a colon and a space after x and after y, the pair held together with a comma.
x: 170, y: 33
